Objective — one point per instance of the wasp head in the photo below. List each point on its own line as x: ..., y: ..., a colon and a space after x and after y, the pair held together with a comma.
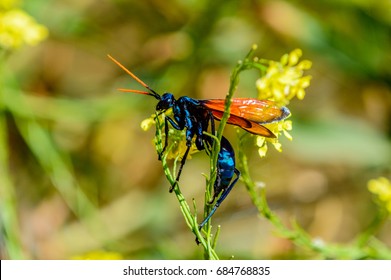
x: 167, y: 101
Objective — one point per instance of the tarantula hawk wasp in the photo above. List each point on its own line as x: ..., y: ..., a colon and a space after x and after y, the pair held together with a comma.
x: 195, y: 115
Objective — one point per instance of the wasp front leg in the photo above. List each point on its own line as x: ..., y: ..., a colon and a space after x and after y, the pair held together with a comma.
x: 174, y: 125
x: 189, y: 136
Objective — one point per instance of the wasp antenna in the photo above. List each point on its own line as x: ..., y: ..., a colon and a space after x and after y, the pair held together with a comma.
x: 128, y: 71
x: 134, y: 91
x: 152, y: 92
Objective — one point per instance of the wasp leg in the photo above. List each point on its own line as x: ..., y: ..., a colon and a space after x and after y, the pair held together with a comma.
x: 183, y: 161
x: 221, y: 199
x: 174, y: 125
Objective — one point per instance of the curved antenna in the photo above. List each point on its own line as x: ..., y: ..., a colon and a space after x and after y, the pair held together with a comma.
x: 151, y: 91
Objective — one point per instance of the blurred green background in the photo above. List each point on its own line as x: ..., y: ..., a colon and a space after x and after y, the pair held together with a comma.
x: 78, y: 175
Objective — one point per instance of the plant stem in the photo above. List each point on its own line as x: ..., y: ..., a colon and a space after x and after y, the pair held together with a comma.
x: 360, y: 249
x: 190, y: 219
x: 207, y: 242
x: 8, y: 208
x: 234, y: 81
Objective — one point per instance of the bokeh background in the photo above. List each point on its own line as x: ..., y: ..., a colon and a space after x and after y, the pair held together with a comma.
x: 79, y: 178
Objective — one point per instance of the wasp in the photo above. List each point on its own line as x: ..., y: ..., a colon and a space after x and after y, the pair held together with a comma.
x: 195, y: 116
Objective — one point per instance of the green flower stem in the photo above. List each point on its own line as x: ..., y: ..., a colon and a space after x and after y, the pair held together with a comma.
x: 190, y: 219
x: 56, y: 164
x: 8, y: 203
x: 8, y: 208
x: 378, y: 221
x: 234, y: 81
x: 365, y: 246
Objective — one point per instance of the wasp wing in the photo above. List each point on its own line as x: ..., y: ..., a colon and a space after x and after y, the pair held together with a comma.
x: 249, y: 113
x: 247, y: 125
x: 259, y: 111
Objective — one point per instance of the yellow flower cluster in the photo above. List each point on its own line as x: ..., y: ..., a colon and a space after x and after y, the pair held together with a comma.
x: 282, y: 81
x: 18, y: 28
x: 8, y: 4
x: 381, y: 187
x: 277, y: 128
x: 99, y: 255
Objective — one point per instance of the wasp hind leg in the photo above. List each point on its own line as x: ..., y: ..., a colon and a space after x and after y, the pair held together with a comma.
x: 220, y: 200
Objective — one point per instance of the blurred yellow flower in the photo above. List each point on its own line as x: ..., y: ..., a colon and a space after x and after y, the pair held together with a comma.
x: 284, y: 79
x: 99, y: 255
x: 381, y: 187
x: 148, y: 123
x: 262, y: 146
x: 18, y: 28
x: 8, y: 4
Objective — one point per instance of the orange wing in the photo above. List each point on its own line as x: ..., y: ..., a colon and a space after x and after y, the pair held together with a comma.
x: 259, y: 111
x: 247, y: 125
x: 249, y: 113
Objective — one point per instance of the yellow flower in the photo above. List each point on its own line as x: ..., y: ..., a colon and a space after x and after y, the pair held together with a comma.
x: 99, y: 255
x: 148, y: 123
x: 262, y: 146
x: 8, y: 4
x: 18, y: 28
x: 278, y: 128
x: 284, y: 79
x: 282, y: 82
x: 382, y: 188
